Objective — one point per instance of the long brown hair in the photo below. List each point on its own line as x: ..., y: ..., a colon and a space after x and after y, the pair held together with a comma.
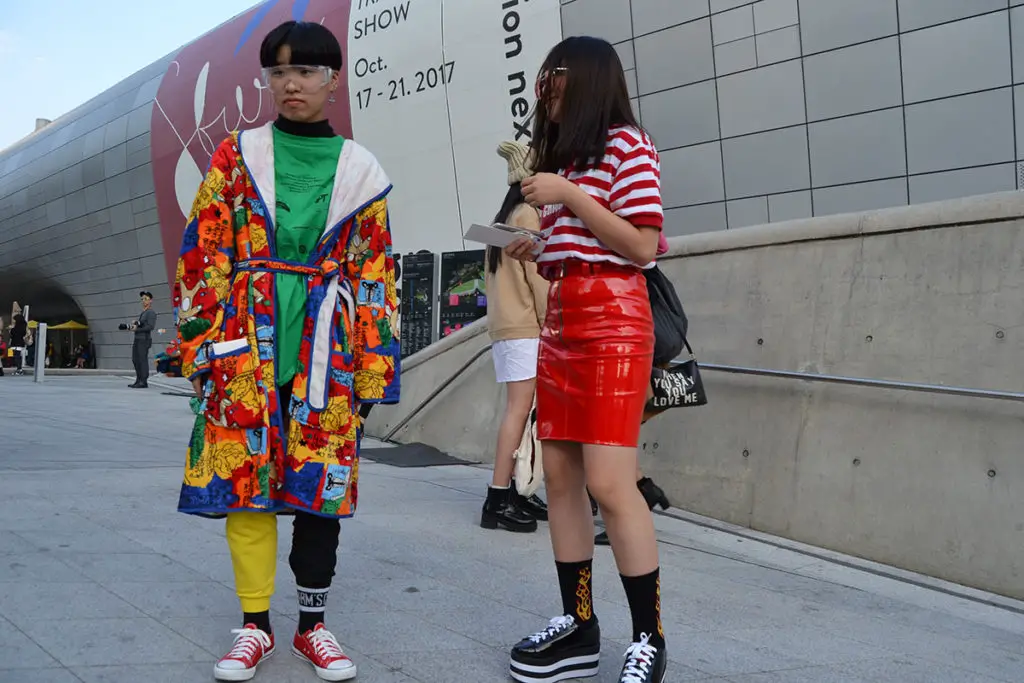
x: 595, y: 99
x: 513, y: 198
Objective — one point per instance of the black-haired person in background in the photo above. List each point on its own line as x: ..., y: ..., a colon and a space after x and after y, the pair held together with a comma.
x: 143, y: 340
x: 516, y: 302
x: 19, y: 334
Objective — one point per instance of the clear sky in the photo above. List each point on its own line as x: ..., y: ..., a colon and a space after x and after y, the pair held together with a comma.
x: 58, y: 54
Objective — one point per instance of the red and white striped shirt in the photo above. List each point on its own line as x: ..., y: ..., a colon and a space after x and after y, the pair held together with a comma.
x: 627, y: 182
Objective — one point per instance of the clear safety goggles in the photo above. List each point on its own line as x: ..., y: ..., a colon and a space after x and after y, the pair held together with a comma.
x: 306, y: 78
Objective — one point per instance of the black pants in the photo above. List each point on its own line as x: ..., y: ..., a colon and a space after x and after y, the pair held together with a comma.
x: 140, y: 359
x: 314, y: 553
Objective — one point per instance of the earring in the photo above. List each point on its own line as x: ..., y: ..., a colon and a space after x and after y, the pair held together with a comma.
x: 331, y: 98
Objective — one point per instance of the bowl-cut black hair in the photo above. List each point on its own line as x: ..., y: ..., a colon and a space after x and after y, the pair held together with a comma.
x: 312, y: 45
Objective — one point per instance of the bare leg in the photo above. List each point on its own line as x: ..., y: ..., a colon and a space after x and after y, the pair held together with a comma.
x: 610, y: 476
x: 630, y: 527
x: 518, y: 402
x: 652, y: 497
x: 572, y: 526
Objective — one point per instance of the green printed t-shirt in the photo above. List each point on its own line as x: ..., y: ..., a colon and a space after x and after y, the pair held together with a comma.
x: 304, y: 169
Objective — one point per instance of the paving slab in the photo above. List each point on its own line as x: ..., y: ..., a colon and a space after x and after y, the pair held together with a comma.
x: 102, y: 581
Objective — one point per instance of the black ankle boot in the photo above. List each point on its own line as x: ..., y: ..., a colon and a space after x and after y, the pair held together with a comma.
x: 653, y: 494
x: 500, y: 510
x: 531, y: 505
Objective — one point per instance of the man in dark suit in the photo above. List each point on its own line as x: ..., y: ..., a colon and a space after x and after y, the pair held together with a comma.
x: 143, y: 328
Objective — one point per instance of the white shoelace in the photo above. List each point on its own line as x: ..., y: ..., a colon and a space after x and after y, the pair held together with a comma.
x: 555, y: 626
x: 247, y: 643
x: 325, y: 644
x: 639, y: 659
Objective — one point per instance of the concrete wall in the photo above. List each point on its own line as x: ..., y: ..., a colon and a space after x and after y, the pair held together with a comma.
x: 78, y: 217
x: 463, y: 416
x: 929, y: 294
x: 772, y: 110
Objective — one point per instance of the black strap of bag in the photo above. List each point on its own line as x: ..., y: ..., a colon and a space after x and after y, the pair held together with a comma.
x: 670, y: 322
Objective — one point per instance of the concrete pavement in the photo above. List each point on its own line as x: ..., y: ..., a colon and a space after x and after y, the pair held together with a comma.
x: 101, y: 581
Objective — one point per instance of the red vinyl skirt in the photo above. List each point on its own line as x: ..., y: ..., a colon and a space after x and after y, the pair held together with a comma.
x: 596, y: 350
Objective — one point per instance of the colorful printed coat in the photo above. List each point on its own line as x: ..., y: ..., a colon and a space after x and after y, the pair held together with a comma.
x: 240, y: 456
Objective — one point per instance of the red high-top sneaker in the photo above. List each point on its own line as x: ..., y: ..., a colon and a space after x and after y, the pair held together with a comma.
x: 251, y: 647
x: 320, y: 648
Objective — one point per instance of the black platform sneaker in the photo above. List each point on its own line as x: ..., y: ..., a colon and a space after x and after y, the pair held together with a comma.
x: 644, y: 663
x: 561, y: 652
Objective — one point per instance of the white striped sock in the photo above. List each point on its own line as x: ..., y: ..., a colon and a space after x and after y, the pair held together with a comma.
x: 312, y: 599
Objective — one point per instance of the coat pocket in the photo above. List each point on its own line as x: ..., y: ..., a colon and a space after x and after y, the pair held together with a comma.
x: 330, y: 344
x: 324, y: 400
x: 236, y: 398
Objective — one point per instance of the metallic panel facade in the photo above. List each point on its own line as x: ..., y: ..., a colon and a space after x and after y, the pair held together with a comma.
x: 769, y: 110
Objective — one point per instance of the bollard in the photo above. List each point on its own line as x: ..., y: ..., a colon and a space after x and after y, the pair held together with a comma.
x: 40, y: 364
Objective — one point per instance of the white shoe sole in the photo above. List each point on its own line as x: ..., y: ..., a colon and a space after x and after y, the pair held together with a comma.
x: 329, y: 674
x: 584, y: 666
x: 238, y: 674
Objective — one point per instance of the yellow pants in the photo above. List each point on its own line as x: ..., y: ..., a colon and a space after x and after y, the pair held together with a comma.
x: 252, y: 539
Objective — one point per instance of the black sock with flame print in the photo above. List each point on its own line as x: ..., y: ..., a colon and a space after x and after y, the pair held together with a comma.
x: 643, y: 593
x: 574, y: 581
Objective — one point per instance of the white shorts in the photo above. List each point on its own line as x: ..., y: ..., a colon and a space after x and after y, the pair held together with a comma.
x: 515, y: 360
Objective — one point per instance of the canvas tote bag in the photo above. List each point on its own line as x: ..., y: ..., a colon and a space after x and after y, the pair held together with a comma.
x: 529, y: 467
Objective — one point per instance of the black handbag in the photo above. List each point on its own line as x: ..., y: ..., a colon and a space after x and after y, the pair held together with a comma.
x: 677, y: 386
x: 670, y: 323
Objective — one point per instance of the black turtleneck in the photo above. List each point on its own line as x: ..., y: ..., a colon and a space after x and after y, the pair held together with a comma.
x: 315, y: 129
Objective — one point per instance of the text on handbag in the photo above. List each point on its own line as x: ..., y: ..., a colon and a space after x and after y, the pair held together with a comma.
x: 673, y: 390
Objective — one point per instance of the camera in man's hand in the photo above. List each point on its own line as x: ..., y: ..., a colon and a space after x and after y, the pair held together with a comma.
x: 126, y: 326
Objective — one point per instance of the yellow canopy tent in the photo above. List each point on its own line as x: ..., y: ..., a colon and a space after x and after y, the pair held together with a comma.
x: 64, y: 346
x: 69, y: 325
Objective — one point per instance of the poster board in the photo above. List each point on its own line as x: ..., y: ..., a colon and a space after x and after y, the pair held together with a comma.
x: 419, y: 301
x: 463, y: 290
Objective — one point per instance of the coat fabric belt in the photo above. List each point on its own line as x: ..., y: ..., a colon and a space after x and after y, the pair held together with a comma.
x: 336, y: 287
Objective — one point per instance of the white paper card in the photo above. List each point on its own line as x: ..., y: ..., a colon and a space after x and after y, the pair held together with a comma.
x: 498, y: 235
